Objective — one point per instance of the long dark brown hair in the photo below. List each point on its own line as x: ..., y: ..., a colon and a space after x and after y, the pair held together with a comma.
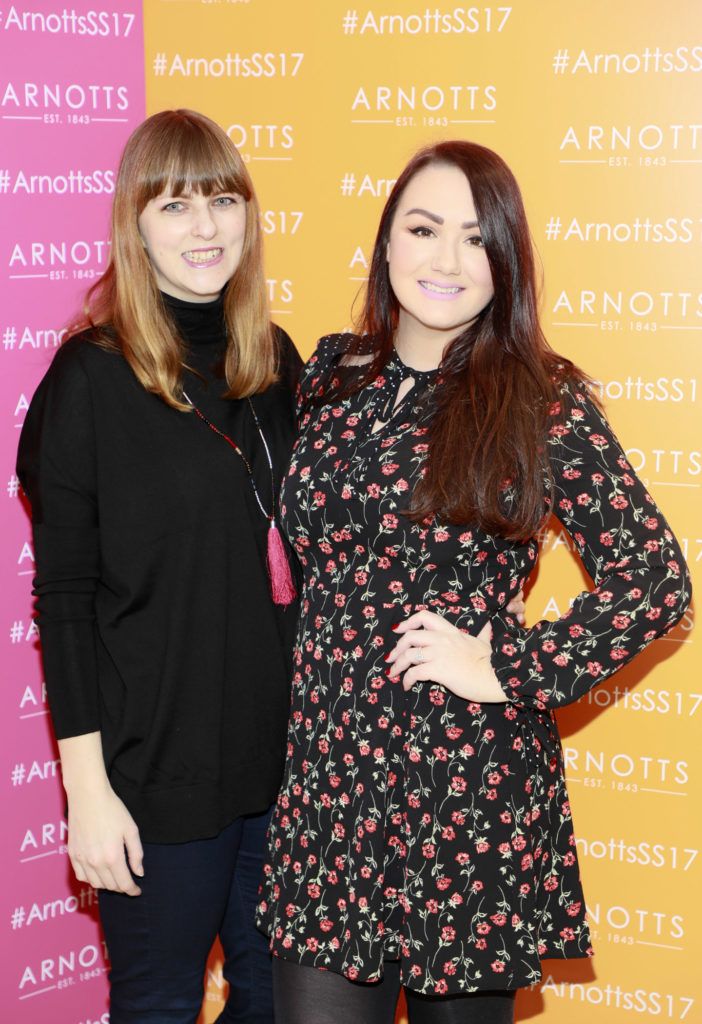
x: 487, y: 461
x: 179, y: 152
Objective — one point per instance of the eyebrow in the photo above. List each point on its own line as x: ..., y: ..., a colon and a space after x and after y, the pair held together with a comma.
x: 440, y: 220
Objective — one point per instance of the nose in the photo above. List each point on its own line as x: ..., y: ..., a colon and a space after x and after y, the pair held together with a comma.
x: 447, y: 259
x: 204, y: 224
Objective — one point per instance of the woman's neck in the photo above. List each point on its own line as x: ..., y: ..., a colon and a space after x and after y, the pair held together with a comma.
x: 420, y: 348
x: 198, y: 323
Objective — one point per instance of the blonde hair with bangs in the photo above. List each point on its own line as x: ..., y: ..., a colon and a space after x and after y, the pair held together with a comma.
x: 180, y: 152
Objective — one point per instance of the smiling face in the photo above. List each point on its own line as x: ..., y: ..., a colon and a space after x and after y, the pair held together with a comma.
x: 194, y: 242
x: 437, y: 265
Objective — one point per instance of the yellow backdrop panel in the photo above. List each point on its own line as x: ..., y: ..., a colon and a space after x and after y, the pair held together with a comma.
x: 596, y: 106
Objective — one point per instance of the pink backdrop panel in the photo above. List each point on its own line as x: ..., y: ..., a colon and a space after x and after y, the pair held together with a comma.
x: 71, y: 90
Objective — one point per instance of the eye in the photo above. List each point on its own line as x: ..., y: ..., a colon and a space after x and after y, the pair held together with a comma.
x: 475, y: 241
x: 175, y: 206
x: 224, y: 201
x: 421, y: 231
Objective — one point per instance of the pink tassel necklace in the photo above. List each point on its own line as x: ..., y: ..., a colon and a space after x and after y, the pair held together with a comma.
x: 282, y: 586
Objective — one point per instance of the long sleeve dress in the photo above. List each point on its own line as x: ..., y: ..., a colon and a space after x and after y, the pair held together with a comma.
x: 418, y: 826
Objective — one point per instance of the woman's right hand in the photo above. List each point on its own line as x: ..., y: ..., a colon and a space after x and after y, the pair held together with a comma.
x: 103, y: 841
x: 103, y: 838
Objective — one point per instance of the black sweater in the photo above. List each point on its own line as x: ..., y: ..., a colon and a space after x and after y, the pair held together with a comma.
x: 153, y: 599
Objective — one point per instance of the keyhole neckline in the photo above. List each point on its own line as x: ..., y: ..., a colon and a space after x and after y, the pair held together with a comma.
x: 420, y: 376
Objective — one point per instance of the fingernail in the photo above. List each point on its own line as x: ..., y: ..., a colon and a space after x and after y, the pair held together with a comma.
x: 395, y: 626
x: 387, y: 657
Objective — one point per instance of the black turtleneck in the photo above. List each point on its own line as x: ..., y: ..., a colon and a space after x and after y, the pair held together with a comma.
x: 153, y: 601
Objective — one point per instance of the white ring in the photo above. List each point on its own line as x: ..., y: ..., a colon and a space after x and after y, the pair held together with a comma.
x: 420, y: 654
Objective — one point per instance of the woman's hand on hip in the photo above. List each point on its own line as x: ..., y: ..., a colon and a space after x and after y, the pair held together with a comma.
x: 517, y: 607
x: 431, y: 649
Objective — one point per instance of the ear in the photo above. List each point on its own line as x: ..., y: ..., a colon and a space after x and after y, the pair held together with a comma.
x: 387, y: 253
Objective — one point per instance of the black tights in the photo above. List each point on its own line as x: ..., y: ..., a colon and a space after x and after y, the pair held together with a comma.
x: 305, y: 995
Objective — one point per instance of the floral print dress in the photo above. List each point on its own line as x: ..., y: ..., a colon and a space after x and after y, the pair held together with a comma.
x: 417, y: 826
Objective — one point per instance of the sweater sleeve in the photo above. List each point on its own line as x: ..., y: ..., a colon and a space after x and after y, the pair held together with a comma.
x: 641, y: 582
x: 56, y: 466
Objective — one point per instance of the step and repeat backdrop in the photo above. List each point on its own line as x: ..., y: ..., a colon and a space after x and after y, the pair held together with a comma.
x: 598, y: 108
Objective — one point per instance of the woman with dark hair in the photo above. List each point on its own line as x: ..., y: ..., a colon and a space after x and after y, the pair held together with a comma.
x: 423, y: 835
x: 152, y: 455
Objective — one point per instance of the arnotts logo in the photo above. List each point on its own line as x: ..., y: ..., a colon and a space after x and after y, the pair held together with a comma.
x: 58, y: 254
x: 45, y: 96
x: 596, y: 766
x: 32, y: 703
x: 638, y: 922
x: 647, y: 138
x: 86, y: 962
x: 431, y: 99
x: 676, y: 462
x: 44, y: 840
x: 671, y: 305
x: 267, y: 141
x: 631, y: 309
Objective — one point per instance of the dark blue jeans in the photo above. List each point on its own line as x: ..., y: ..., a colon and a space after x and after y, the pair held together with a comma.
x: 159, y: 942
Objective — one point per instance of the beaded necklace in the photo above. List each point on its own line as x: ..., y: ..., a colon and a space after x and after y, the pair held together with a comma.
x: 281, y: 581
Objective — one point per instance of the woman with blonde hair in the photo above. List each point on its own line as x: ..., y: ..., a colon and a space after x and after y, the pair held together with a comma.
x: 152, y: 455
